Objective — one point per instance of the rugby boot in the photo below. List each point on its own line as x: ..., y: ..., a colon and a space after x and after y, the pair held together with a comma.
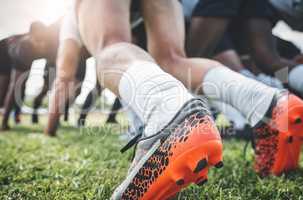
x: 178, y: 155
x: 278, y: 138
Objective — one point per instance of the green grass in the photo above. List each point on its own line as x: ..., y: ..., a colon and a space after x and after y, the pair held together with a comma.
x: 86, y: 164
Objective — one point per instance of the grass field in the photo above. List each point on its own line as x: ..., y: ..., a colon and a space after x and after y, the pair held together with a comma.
x: 87, y: 164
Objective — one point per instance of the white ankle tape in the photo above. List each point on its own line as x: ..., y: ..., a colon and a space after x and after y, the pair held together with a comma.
x: 250, y: 97
x: 155, y: 96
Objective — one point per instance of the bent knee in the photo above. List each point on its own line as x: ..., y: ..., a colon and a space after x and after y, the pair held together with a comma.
x: 115, y: 39
x: 168, y: 61
x: 121, y: 53
x: 167, y: 58
x: 212, y: 63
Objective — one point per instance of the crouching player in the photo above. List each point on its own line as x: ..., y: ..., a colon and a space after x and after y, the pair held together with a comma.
x: 179, y: 145
x: 180, y: 141
x: 277, y: 128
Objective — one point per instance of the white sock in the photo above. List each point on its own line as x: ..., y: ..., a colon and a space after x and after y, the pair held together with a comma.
x: 250, y: 97
x: 295, y: 79
x: 155, y: 96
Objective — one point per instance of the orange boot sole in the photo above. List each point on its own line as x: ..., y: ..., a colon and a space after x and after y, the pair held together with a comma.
x: 285, y: 142
x: 290, y: 143
x: 183, y: 158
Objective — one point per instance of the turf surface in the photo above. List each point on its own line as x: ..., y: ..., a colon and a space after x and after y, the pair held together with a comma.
x: 86, y: 164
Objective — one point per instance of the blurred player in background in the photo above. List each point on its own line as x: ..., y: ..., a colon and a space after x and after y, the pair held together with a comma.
x: 41, y: 42
x: 132, y: 74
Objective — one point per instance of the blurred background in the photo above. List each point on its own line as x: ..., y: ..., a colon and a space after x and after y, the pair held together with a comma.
x: 16, y: 17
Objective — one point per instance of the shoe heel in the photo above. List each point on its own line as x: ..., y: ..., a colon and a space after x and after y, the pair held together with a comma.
x: 216, y: 159
x: 189, y: 161
x: 194, y: 164
x: 202, y: 181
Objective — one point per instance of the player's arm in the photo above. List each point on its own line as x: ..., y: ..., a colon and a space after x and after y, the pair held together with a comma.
x: 64, y: 84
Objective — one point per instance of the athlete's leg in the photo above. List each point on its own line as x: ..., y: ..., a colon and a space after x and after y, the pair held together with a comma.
x: 49, y: 77
x: 168, y: 50
x: 85, y: 108
x: 17, y: 114
x: 108, y: 40
x: 155, y: 96
x: 38, y: 102
x: 14, y: 95
x: 114, y: 110
x: 264, y: 52
x: 116, y: 56
x: 18, y: 110
x: 88, y: 105
x: 227, y: 55
x: 218, y: 81
x: 4, y: 83
x: 263, y: 46
x: 202, y: 41
x: 66, y: 111
x: 208, y: 24
x: 231, y: 59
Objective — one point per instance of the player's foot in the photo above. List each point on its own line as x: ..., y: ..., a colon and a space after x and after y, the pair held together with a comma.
x: 81, y: 122
x: 177, y: 156
x: 111, y: 121
x: 278, y: 139
x: 17, y: 119
x: 35, y: 119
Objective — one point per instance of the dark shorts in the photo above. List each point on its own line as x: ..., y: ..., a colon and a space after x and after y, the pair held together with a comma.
x: 5, y: 66
x: 233, y: 8
x: 5, y: 69
x: 5, y: 60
